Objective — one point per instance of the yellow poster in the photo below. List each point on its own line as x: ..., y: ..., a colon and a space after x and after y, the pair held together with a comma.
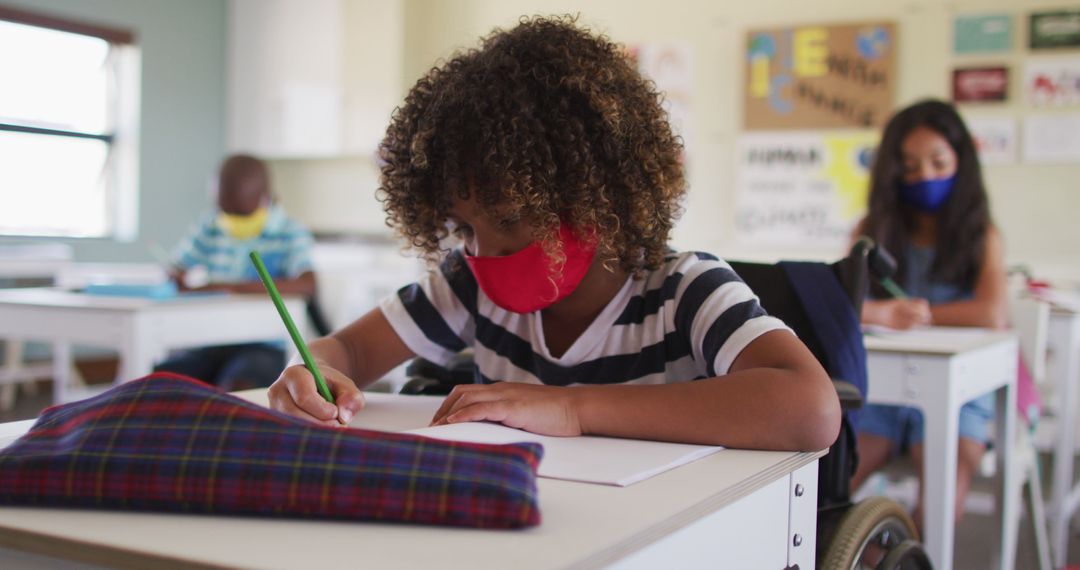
x: 802, y: 189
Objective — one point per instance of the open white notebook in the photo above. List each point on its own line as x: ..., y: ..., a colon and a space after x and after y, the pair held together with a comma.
x: 603, y: 460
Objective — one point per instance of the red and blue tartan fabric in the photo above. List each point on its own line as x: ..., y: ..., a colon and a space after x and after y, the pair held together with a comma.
x: 170, y: 443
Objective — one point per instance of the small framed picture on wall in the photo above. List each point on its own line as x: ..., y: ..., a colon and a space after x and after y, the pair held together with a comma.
x: 1058, y: 29
x: 980, y: 85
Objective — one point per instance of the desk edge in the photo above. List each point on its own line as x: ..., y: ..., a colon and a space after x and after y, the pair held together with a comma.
x: 60, y: 547
x: 702, y: 509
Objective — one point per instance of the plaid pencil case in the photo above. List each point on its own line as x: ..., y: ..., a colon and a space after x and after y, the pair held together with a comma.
x: 170, y: 443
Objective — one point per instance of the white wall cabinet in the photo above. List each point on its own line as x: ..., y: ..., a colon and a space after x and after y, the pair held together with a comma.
x: 312, y: 78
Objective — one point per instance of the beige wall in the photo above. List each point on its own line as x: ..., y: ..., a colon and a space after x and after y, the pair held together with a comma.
x: 1035, y: 206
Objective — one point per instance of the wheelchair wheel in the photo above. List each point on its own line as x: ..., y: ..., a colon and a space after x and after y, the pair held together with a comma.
x: 868, y: 533
x: 909, y: 554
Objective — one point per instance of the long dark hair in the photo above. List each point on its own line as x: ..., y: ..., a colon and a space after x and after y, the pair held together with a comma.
x: 964, y: 219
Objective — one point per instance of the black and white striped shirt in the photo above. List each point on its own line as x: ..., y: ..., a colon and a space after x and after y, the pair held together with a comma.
x: 688, y: 319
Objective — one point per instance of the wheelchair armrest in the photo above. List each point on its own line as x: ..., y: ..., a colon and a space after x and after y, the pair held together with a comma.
x: 420, y: 386
x: 429, y: 379
x: 850, y: 398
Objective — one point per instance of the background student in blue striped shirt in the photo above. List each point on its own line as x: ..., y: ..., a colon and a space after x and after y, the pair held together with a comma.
x: 217, y: 249
x: 540, y: 177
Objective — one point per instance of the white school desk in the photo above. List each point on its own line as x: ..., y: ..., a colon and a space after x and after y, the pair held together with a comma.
x: 1063, y: 369
x: 43, y: 262
x: 141, y: 330
x: 732, y: 509
x: 938, y: 370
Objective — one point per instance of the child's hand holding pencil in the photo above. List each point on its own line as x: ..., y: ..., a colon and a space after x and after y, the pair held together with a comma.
x: 313, y: 394
x: 304, y: 401
x: 903, y: 314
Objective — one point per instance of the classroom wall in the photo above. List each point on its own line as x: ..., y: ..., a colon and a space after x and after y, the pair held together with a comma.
x: 182, y: 127
x: 183, y: 109
x: 1035, y: 206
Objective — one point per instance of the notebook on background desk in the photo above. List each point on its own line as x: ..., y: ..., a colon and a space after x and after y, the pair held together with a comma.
x: 1059, y: 299
x: 933, y: 339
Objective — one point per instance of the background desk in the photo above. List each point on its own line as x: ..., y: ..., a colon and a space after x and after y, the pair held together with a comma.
x: 732, y: 509
x: 938, y: 371
x: 141, y: 330
x: 1063, y: 369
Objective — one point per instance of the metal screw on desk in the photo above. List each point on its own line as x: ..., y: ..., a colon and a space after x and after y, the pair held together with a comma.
x: 797, y: 541
x: 798, y: 490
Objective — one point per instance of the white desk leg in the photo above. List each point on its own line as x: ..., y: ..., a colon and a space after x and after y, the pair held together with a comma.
x: 1067, y: 329
x: 137, y: 352
x: 61, y: 365
x: 939, y: 460
x: 11, y: 373
x: 135, y: 363
x: 1009, y: 480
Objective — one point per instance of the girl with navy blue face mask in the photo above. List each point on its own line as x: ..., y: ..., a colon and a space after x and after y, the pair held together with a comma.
x: 929, y: 208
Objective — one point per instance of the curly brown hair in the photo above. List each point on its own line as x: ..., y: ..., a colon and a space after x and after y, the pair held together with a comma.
x: 543, y: 123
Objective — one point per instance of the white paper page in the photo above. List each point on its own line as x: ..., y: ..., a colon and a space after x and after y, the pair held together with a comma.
x: 394, y: 412
x: 927, y: 334
x: 1066, y: 300
x: 588, y: 459
x: 11, y: 431
x: 934, y: 340
x: 603, y: 460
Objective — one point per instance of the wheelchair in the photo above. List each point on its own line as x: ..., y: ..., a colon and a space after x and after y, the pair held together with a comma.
x: 875, y: 533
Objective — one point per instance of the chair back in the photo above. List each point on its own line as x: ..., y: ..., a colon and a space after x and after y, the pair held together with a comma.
x: 778, y: 296
x: 780, y: 299
x: 1030, y: 319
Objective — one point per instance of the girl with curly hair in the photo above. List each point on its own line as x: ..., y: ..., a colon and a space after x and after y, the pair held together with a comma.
x: 540, y: 175
x: 929, y: 207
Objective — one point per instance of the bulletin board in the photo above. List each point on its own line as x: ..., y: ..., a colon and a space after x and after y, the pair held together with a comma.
x: 820, y: 77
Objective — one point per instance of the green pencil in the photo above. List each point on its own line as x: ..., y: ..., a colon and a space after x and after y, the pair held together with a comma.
x: 893, y: 288
x: 298, y: 340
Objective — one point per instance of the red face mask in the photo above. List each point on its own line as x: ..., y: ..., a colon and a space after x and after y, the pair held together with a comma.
x: 522, y: 282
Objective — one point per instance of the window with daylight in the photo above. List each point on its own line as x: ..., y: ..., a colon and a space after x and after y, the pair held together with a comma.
x: 68, y: 127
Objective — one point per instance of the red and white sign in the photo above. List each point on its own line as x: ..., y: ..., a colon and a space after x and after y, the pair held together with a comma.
x: 980, y: 84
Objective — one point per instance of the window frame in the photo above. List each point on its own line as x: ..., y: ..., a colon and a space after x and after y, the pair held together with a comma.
x: 121, y: 134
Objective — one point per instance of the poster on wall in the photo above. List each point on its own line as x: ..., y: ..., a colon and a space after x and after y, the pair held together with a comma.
x: 670, y: 66
x: 802, y: 189
x: 1052, y: 83
x: 980, y: 84
x: 1058, y: 29
x: 1052, y: 138
x: 982, y: 34
x: 995, y: 139
x: 820, y: 77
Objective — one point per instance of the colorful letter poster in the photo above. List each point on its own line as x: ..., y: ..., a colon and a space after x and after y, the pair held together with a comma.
x: 995, y: 139
x: 979, y: 84
x: 982, y: 34
x: 820, y: 77
x: 1052, y: 82
x: 1059, y: 29
x: 802, y: 189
